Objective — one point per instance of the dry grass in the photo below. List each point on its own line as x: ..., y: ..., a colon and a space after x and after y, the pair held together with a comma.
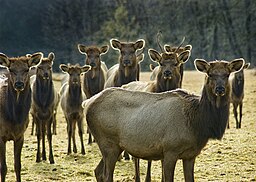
x: 231, y: 159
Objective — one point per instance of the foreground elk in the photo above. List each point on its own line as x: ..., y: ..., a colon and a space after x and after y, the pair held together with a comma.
x: 128, y: 68
x: 185, y: 122
x: 44, y: 101
x: 15, y: 102
x: 237, y: 94
x: 167, y: 78
x: 94, y: 79
x: 71, y: 100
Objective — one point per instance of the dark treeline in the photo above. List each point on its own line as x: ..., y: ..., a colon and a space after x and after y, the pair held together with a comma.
x: 221, y: 29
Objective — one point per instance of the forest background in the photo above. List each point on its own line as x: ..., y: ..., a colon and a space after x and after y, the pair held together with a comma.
x: 217, y: 29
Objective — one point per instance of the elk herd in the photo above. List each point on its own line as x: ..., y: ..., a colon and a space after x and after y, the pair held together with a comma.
x: 150, y: 120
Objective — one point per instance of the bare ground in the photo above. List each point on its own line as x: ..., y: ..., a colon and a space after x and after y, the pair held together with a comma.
x: 231, y: 159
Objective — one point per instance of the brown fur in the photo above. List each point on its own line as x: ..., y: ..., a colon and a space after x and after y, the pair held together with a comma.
x: 128, y: 68
x: 237, y: 94
x: 15, y: 102
x: 184, y: 122
x: 168, y: 78
x: 44, y: 101
x: 94, y: 79
x: 170, y: 49
x: 71, y: 100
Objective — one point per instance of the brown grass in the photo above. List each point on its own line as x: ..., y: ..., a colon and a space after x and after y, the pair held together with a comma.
x: 231, y: 159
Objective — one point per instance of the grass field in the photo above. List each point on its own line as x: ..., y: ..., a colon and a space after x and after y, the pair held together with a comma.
x: 231, y: 159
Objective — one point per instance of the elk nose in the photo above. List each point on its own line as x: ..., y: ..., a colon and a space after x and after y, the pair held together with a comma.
x: 167, y: 73
x: 220, y: 91
x: 127, y: 62
x: 46, y: 75
x: 19, y: 85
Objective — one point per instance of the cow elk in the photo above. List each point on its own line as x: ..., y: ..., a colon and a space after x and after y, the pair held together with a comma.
x: 44, y: 102
x: 94, y: 79
x: 15, y: 102
x: 71, y: 99
x: 128, y: 68
x: 167, y: 78
x: 185, y: 122
x: 237, y: 94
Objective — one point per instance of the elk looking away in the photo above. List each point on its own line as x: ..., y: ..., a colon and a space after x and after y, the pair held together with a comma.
x: 185, y: 122
x: 128, y: 68
x: 15, y: 102
x: 71, y: 100
x: 237, y: 94
x: 44, y: 101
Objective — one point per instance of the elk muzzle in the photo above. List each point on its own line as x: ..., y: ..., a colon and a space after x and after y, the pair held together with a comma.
x: 220, y: 91
x: 19, y: 86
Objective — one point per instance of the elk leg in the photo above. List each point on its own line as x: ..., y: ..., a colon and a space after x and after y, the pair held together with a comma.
x: 74, y: 136
x: 43, y: 141
x: 235, y: 113
x: 38, y: 134
x: 240, y: 114
x: 17, y: 153
x: 148, y: 176
x: 168, y: 168
x: 3, y: 166
x: 54, y: 124
x: 137, y: 169
x: 33, y: 123
x: 49, y: 137
x: 99, y: 171
x: 111, y: 156
x: 188, y: 169
x: 90, y: 136
x: 80, y: 132
x: 69, y: 131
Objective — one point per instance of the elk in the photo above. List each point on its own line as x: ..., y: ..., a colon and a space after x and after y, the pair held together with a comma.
x: 127, y: 120
x: 169, y: 49
x: 168, y: 78
x: 128, y: 68
x: 94, y: 79
x: 237, y: 94
x: 44, y: 101
x: 71, y: 100
x: 15, y: 102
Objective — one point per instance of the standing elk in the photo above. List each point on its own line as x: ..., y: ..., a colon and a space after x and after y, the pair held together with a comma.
x: 71, y: 99
x: 128, y: 68
x: 44, y: 101
x: 185, y: 122
x: 167, y: 78
x: 94, y: 79
x: 15, y: 102
x: 237, y: 94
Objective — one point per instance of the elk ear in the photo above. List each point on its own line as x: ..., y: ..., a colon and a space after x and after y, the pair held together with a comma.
x: 246, y: 65
x: 201, y: 65
x: 167, y: 48
x: 115, y: 44
x: 51, y: 56
x: 4, y: 61
x: 35, y: 59
x: 152, y: 67
x: 139, y: 44
x: 188, y: 47
x: 104, y: 49
x: 81, y: 48
x: 140, y: 58
x: 64, y: 68
x: 183, y: 57
x: 154, y: 55
x: 236, y: 65
x: 85, y: 68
